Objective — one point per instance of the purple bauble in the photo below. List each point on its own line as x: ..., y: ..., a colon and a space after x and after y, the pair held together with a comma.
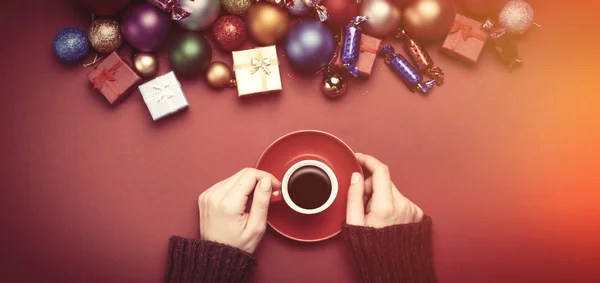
x: 309, y: 46
x: 145, y: 27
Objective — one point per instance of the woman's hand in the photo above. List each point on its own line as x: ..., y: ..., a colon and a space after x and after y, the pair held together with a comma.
x: 376, y: 202
x: 223, y: 216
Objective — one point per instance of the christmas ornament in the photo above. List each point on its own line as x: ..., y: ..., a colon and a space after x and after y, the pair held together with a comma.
x: 428, y: 19
x: 420, y: 57
x: 351, y: 45
x: 145, y: 27
x: 104, y: 7
x: 267, y: 23
x: 340, y: 12
x: 299, y: 8
x: 303, y: 7
x: 105, y: 35
x: 482, y: 8
x: 383, y: 17
x: 190, y: 54
x: 145, y: 64
x: 236, y: 7
x: 504, y: 45
x: 516, y: 17
x: 173, y: 7
x: 334, y: 84
x: 229, y: 32
x: 309, y: 46
x: 203, y: 14
x: 405, y: 70
x: 71, y: 45
x: 219, y: 75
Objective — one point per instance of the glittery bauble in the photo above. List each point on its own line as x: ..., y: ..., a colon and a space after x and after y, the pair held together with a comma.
x: 71, y: 45
x: 190, y: 54
x: 428, y: 19
x: 219, y: 75
x: 334, y: 84
x: 229, y: 32
x: 203, y: 14
x: 516, y: 17
x: 103, y: 7
x: 145, y: 64
x: 267, y: 23
x: 105, y: 35
x: 340, y: 12
x: 309, y: 46
x: 236, y: 7
x: 299, y: 8
x: 383, y: 17
x: 482, y: 8
x: 145, y: 27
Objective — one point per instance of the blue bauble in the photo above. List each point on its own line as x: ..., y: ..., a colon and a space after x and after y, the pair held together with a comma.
x: 71, y: 45
x: 309, y: 46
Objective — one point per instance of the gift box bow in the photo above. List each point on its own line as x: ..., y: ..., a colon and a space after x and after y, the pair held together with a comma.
x: 466, y: 30
x: 172, y: 6
x: 257, y: 63
x: 163, y: 92
x: 106, y: 76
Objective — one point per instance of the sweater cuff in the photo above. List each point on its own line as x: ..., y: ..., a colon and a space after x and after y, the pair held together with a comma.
x: 194, y: 260
x: 399, y: 253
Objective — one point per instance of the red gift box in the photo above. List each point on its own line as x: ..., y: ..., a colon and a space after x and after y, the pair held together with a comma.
x: 466, y: 39
x: 369, y: 46
x: 114, y: 78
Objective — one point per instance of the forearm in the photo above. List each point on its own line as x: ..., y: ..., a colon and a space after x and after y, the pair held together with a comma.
x: 399, y: 253
x: 198, y: 261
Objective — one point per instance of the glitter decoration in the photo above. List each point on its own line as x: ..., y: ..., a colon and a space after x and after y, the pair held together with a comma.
x: 229, y: 32
x: 420, y: 56
x: 105, y: 35
x: 71, y: 45
x: 405, y: 70
x: 236, y: 7
x: 516, y: 17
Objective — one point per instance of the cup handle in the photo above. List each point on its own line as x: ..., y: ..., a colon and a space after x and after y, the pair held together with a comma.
x: 276, y: 196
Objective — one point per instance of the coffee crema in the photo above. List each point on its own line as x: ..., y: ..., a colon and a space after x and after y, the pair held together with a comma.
x: 309, y: 187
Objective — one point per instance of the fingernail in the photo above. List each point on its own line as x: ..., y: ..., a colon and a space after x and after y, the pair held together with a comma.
x: 265, y: 184
x: 355, y: 178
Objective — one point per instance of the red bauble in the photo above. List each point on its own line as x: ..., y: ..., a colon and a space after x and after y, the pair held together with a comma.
x: 229, y: 32
x: 340, y: 12
x: 103, y: 7
x: 428, y: 19
x: 482, y: 8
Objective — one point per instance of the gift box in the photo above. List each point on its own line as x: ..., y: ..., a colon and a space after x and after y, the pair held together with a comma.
x: 114, y: 78
x: 163, y: 96
x: 257, y: 70
x: 369, y: 47
x: 466, y: 39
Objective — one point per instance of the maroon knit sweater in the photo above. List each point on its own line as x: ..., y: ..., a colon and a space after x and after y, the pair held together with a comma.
x: 395, y: 254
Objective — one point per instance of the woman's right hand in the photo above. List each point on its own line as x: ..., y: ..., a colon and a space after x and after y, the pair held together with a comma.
x: 376, y: 202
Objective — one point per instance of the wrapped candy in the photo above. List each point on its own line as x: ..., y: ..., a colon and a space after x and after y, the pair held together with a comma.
x: 420, y: 57
x: 171, y: 6
x: 405, y: 70
x: 504, y: 45
x: 351, y: 45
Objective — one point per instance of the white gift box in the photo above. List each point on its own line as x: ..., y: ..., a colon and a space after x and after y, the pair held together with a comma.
x: 163, y: 96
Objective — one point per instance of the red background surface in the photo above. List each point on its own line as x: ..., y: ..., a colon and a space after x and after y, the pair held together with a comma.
x: 505, y: 162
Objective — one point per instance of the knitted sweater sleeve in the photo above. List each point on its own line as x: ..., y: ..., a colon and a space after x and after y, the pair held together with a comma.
x: 198, y: 261
x: 399, y: 253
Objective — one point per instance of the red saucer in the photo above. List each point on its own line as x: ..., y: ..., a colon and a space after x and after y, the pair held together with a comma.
x: 316, y: 145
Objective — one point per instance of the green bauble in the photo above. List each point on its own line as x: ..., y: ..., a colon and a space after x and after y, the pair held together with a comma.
x: 190, y: 54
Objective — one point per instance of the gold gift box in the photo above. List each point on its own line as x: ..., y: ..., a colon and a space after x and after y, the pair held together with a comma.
x: 257, y: 70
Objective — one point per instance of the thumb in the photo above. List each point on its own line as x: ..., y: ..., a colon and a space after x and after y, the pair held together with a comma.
x: 257, y: 221
x: 355, y: 213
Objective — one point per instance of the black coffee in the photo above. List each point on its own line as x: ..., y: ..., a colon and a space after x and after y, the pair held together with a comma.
x: 309, y: 187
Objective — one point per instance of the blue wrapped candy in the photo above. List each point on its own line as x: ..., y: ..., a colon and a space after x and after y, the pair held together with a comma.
x: 351, y: 47
x: 405, y: 70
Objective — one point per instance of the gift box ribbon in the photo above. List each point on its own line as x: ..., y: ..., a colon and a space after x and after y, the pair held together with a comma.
x: 107, y: 76
x: 366, y: 48
x: 172, y: 6
x: 466, y: 32
x: 164, y: 92
x: 257, y: 64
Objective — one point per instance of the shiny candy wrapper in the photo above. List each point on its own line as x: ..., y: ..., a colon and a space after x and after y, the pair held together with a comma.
x: 405, y: 70
x: 505, y: 46
x: 420, y: 57
x: 351, y: 45
x: 173, y: 7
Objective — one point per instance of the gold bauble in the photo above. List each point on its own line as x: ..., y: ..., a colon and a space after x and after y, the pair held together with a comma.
x: 105, y: 35
x: 219, y: 75
x: 236, y: 7
x: 334, y: 84
x: 428, y: 20
x: 383, y: 17
x: 267, y: 23
x: 145, y: 64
